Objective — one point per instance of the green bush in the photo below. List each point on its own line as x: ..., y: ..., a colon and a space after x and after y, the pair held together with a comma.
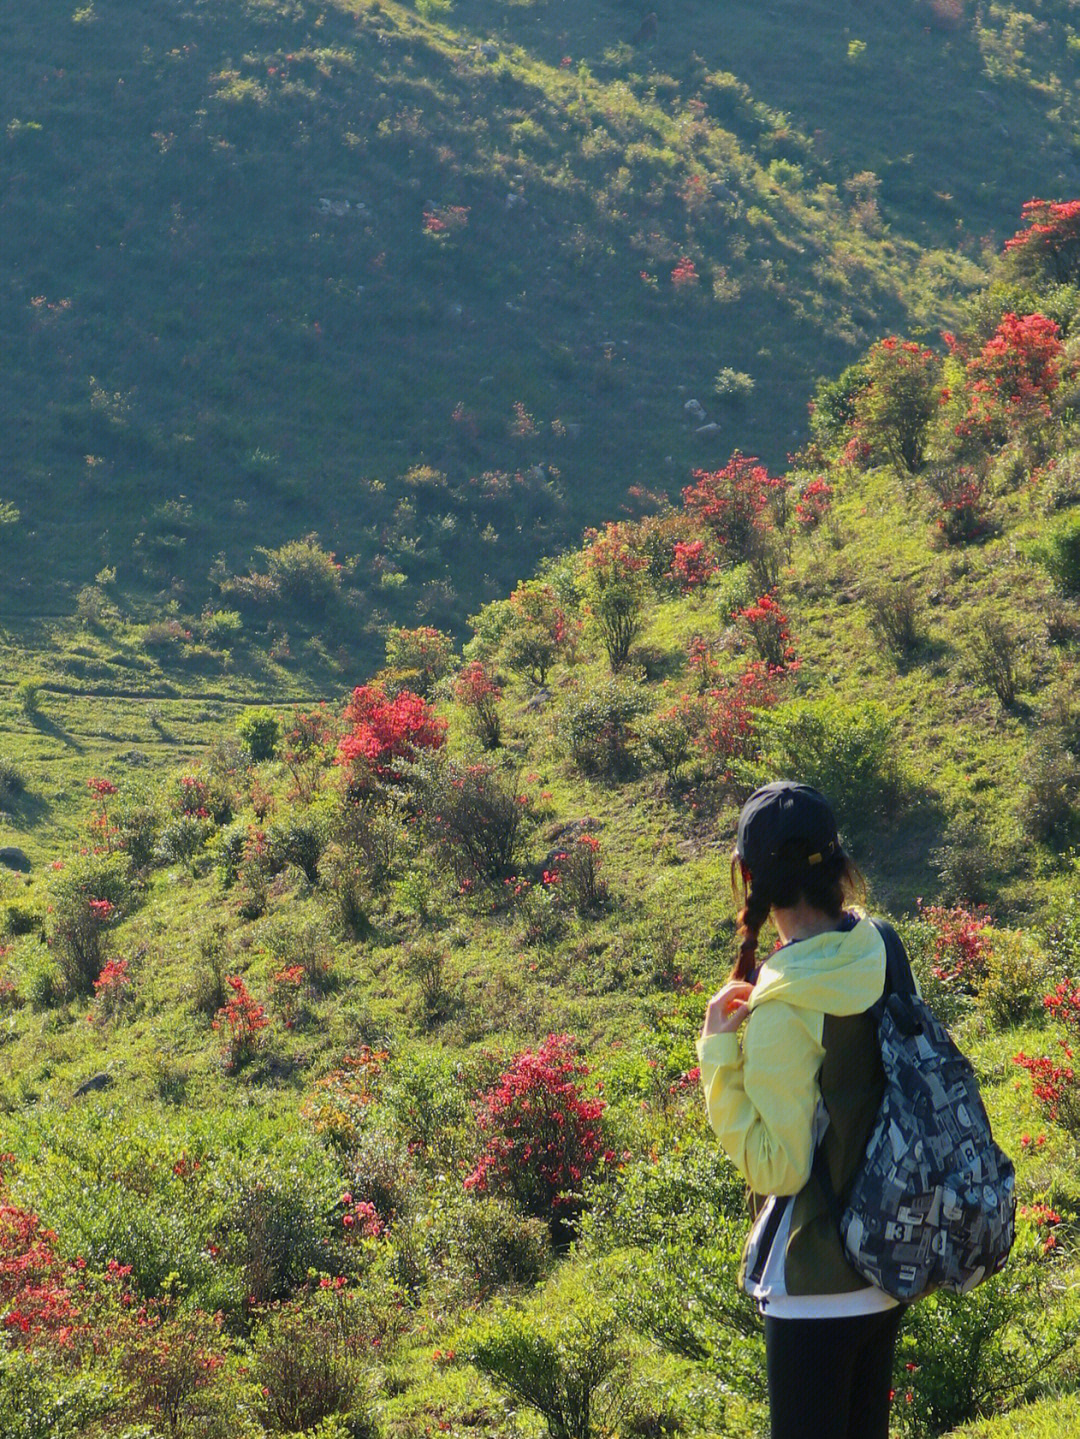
x: 1059, y: 552
x: 88, y: 895
x: 560, y: 1355
x: 181, y: 840
x: 311, y: 1358
x: 40, y: 1401
x: 304, y: 572
x: 962, y: 1357
x: 259, y: 730
x: 28, y: 697
x: 596, y: 726
x: 11, y: 779
x: 846, y: 751
x: 295, y: 841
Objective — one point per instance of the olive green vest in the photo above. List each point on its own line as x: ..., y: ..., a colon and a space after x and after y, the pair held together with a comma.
x: 852, y: 1083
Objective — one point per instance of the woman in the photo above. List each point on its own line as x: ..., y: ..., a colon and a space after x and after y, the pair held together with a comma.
x: 807, y: 1073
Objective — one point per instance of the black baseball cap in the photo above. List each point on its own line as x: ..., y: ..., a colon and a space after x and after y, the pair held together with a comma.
x: 784, y: 827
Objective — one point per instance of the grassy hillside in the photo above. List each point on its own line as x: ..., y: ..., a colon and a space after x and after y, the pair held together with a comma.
x: 316, y: 901
x: 306, y: 959
x: 404, y: 276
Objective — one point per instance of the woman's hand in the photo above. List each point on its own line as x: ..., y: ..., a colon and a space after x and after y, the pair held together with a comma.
x: 727, y: 1008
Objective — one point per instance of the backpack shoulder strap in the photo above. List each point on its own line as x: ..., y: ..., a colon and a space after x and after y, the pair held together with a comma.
x: 898, y: 976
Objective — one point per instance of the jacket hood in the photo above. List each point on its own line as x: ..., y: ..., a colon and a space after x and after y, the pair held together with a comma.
x: 838, y: 972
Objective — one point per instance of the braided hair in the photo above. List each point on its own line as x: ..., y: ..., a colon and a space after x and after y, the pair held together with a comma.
x: 826, y: 884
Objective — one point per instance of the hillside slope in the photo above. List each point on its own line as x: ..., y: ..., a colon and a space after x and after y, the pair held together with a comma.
x: 438, y: 282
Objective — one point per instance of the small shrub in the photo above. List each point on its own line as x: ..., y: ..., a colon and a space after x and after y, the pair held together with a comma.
x: 295, y: 841
x: 668, y: 737
x: 241, y: 1020
x: 691, y: 565
x: 87, y: 897
x: 766, y: 624
x: 310, y: 1358
x: 613, y: 579
x: 112, y: 988
x: 734, y: 504
x: 275, y: 1224
x: 576, y: 874
x: 559, y: 1356
x: 895, y: 615
x: 381, y: 731
x: 991, y: 651
x: 846, y: 751
x: 12, y: 783
x: 259, y: 731
x: 303, y: 572
x: 961, y: 491
x: 543, y: 1134
x: 344, y: 877
x: 961, y: 944
x: 486, y: 1244
x: 417, y: 659
x: 1049, y: 803
x: 597, y: 726
x: 1059, y: 552
x: 892, y: 410
x: 182, y: 839
x: 28, y: 697
x: 528, y: 633
x: 426, y: 963
x: 478, y: 694
x: 476, y: 815
x: 1014, y: 978
x: 306, y: 750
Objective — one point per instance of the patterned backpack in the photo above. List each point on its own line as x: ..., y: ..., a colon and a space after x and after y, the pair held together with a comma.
x: 932, y: 1203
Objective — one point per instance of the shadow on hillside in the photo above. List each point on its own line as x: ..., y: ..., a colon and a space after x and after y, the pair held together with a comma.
x: 44, y: 725
x: 927, y: 652
x: 28, y: 809
x: 896, y: 850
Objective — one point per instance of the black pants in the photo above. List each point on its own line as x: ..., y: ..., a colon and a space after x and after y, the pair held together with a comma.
x: 830, y: 1378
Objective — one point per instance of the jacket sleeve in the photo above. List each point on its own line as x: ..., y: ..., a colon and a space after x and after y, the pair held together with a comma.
x: 761, y: 1098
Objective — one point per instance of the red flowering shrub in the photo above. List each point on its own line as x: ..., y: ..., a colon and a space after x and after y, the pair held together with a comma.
x: 613, y: 580
x: 382, y: 730
x: 685, y: 276
x: 892, y: 413
x: 1012, y: 378
x: 691, y: 565
x: 576, y: 872
x: 242, y: 1018
x: 476, y: 816
x: 964, y: 502
x: 112, y: 988
x: 734, y: 502
x: 1054, y: 1085
x: 962, y: 944
x: 543, y: 1134
x: 104, y: 789
x: 476, y: 690
x: 306, y: 750
x: 1049, y: 245
x: 767, y: 626
x: 360, y: 1219
x: 813, y: 504
x: 1064, y: 1004
x: 702, y: 663
x: 86, y: 901
x: 38, y: 1298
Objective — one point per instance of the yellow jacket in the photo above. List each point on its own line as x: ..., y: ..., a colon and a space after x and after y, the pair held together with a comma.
x: 764, y: 1099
